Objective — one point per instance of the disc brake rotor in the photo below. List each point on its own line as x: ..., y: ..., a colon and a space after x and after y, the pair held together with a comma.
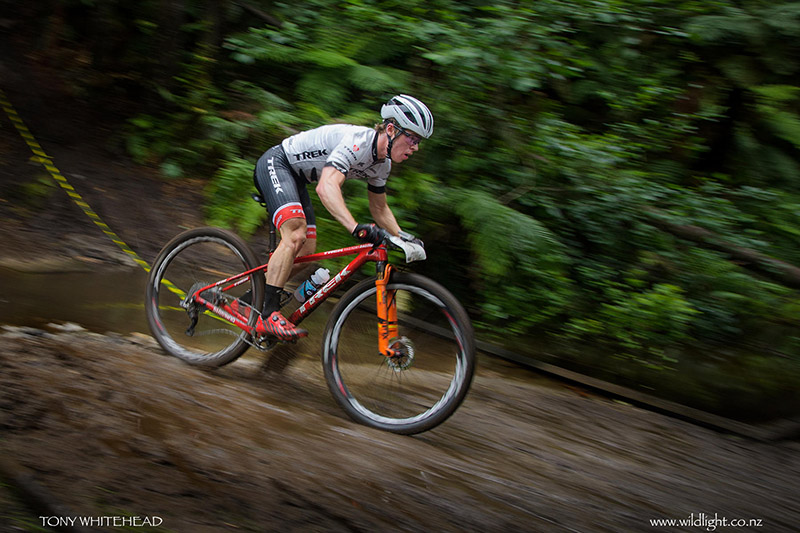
x: 404, y: 354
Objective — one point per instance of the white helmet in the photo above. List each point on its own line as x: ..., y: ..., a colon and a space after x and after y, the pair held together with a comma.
x: 410, y: 114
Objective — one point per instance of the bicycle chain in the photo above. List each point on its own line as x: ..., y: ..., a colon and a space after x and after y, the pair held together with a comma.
x: 262, y: 344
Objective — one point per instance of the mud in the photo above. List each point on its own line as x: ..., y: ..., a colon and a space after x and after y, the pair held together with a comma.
x: 110, y: 427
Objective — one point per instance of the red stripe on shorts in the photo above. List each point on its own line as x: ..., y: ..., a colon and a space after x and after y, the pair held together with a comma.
x: 293, y: 210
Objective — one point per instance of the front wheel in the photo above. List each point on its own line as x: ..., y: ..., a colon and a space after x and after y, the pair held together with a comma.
x: 428, y: 379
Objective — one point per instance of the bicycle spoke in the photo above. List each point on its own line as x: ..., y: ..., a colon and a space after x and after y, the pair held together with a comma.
x: 184, y: 328
x: 426, y: 380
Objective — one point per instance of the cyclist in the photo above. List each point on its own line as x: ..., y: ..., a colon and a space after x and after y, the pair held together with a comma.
x: 329, y: 155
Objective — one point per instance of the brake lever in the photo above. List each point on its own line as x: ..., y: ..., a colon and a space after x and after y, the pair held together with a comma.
x: 385, y: 236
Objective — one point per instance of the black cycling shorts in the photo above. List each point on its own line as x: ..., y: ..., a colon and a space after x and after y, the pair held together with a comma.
x: 283, y: 190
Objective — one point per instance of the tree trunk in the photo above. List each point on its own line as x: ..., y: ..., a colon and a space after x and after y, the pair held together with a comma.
x: 168, y: 42
x: 256, y: 12
x: 774, y: 269
x: 53, y: 28
x: 215, y: 15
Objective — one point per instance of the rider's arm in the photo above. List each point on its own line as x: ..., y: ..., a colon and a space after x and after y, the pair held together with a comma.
x: 329, y: 189
x: 382, y: 213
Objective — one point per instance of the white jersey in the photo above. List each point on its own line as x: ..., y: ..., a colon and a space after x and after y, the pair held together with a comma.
x: 352, y: 150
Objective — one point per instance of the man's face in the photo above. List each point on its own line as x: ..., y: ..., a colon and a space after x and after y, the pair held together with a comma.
x: 404, y: 144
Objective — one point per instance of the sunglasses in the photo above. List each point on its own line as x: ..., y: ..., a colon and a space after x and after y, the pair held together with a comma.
x: 413, y: 138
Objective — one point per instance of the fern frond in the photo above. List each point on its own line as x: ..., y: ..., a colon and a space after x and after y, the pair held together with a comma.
x: 523, y: 264
x: 324, y: 88
x: 326, y: 58
x: 377, y: 79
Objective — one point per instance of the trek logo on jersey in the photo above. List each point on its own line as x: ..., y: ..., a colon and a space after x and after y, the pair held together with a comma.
x: 357, y: 173
x: 352, y: 153
x: 273, y: 176
x: 313, y: 154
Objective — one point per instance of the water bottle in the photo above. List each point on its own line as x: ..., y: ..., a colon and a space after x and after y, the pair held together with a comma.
x: 310, y: 286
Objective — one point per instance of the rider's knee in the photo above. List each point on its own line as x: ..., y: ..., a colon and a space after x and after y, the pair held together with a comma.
x: 293, y: 234
x: 309, y: 247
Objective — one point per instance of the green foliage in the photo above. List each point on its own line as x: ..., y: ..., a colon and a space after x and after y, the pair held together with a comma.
x: 562, y: 128
x: 558, y: 125
x: 522, y: 265
x: 640, y: 325
x: 30, y: 195
x: 327, y: 61
x: 773, y: 213
x: 773, y: 103
x: 182, y: 138
x: 229, y: 201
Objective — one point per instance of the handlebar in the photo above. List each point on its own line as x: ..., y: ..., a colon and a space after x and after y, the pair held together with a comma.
x: 415, y: 251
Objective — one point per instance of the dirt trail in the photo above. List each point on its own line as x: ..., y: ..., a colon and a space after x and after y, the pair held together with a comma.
x: 110, y: 427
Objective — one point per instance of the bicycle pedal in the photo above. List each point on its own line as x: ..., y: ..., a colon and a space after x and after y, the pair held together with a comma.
x: 284, y: 297
x: 263, y: 344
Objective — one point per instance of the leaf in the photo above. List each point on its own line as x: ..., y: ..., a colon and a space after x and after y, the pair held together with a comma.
x: 377, y: 79
x: 777, y: 93
x: 326, y: 58
x: 243, y: 58
x: 171, y: 169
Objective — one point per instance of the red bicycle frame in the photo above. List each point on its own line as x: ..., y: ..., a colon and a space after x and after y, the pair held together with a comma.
x: 387, y: 308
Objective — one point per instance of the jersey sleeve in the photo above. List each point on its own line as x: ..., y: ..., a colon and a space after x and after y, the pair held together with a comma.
x: 353, y: 156
x: 347, y: 153
x: 377, y: 181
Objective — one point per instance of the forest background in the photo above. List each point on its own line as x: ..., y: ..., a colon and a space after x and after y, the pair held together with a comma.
x: 613, y: 185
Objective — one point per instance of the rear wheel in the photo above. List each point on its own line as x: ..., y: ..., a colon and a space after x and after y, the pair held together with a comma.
x: 428, y: 379
x: 192, y: 260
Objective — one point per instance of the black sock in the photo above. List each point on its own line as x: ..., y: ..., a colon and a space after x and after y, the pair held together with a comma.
x: 272, y: 299
x: 247, y: 297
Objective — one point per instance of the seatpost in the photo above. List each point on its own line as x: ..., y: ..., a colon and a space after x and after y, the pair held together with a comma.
x: 273, y: 238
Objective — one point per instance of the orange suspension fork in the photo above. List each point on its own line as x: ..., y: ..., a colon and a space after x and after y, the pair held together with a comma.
x: 387, y: 312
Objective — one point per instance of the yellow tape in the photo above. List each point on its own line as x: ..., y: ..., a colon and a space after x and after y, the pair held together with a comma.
x: 47, y: 161
x: 41, y: 156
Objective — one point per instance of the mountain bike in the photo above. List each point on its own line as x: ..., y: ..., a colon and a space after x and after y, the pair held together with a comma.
x: 398, y: 350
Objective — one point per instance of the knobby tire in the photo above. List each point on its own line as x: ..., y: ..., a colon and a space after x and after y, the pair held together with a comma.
x: 200, y: 256
x: 390, y: 396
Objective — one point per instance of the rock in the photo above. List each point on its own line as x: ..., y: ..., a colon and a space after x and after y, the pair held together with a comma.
x: 141, y: 339
x: 68, y: 327
x: 18, y: 332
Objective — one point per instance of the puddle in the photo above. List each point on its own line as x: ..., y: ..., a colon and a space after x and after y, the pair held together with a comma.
x: 105, y: 300
x: 101, y: 301
x: 113, y: 300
